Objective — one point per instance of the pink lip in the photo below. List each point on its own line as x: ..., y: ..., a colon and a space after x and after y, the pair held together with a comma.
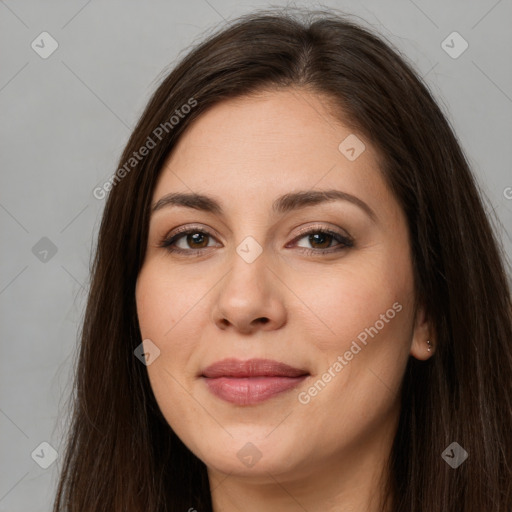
x: 250, y: 382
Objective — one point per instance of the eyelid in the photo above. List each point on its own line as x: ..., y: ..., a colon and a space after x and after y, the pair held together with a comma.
x: 189, y: 227
x: 322, y: 227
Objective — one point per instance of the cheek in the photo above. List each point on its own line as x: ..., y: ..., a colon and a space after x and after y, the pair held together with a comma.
x: 342, y: 303
x: 362, y: 355
x: 366, y: 312
x: 171, y: 309
x: 155, y: 300
x: 164, y: 300
x: 162, y: 308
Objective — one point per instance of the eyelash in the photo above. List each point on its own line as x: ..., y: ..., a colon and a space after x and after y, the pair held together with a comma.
x: 345, y: 242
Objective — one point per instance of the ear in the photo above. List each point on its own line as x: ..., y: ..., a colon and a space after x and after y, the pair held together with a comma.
x: 422, y: 333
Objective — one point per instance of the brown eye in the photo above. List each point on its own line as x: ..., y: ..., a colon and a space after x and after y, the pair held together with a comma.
x: 187, y: 241
x: 321, y: 239
x: 196, y: 240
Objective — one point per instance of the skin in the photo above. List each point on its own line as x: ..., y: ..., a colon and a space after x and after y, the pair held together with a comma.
x: 328, y: 453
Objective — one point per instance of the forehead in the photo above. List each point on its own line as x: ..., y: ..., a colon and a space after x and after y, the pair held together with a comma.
x: 266, y: 145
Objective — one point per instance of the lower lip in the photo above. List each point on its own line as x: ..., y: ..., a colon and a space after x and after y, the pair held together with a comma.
x: 250, y: 390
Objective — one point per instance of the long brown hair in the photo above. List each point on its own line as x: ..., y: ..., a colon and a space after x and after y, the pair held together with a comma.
x: 122, y: 455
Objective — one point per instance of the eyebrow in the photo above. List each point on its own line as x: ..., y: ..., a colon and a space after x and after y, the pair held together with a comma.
x: 283, y: 204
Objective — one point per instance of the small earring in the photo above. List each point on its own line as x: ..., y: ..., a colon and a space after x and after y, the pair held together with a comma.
x: 429, y: 343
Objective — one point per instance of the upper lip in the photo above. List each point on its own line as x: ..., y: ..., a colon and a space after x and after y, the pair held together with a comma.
x: 251, y: 368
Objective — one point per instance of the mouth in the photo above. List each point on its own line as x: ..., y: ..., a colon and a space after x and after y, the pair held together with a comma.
x: 252, y: 381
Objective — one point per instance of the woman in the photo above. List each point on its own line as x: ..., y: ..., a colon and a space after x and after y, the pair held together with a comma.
x: 297, y: 301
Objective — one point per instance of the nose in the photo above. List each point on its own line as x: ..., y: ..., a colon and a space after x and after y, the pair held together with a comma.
x: 249, y: 297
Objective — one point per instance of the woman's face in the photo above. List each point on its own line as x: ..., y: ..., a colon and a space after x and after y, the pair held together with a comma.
x: 322, y: 286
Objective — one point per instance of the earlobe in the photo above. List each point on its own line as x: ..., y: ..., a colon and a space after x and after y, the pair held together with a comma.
x: 422, y: 350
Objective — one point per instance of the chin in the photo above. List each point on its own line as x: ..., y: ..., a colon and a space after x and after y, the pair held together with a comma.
x: 256, y: 454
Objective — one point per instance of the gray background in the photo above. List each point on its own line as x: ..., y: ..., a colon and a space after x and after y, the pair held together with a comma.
x: 66, y: 118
